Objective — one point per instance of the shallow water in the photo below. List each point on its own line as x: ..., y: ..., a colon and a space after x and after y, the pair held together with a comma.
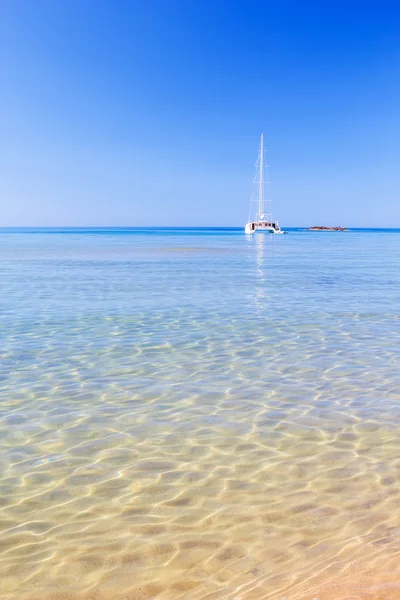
x: 199, y: 414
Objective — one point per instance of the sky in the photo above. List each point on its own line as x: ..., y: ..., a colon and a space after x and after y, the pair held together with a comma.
x: 132, y: 113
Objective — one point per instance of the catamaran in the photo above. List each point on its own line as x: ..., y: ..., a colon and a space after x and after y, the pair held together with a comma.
x: 263, y: 220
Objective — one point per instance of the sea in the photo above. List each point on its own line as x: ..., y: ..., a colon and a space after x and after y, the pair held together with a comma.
x: 199, y: 414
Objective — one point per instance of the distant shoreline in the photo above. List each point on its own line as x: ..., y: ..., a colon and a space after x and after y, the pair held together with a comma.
x: 323, y: 228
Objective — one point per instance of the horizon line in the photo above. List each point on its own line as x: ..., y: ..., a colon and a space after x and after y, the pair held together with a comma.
x: 4, y: 227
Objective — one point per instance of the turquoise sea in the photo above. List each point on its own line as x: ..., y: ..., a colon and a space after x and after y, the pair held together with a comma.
x: 200, y: 414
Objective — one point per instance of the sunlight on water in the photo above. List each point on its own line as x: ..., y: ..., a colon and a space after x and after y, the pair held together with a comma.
x: 199, y: 415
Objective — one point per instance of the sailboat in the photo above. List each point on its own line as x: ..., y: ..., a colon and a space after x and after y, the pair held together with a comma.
x: 263, y: 220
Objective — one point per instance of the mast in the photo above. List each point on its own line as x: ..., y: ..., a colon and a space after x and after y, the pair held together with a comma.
x: 261, y: 182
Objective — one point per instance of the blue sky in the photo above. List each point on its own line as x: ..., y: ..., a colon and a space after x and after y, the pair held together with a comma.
x: 149, y: 113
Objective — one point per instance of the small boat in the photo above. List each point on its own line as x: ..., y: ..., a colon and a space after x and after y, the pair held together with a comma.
x: 263, y: 220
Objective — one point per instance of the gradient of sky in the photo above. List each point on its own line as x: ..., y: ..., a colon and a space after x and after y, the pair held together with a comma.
x: 149, y: 113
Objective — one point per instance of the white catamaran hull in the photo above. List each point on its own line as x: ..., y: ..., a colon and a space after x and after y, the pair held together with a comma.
x: 251, y: 228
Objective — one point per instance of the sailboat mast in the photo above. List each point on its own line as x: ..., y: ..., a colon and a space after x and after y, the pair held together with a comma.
x: 261, y: 182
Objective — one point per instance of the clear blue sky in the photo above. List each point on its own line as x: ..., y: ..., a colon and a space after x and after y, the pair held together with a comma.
x: 149, y: 112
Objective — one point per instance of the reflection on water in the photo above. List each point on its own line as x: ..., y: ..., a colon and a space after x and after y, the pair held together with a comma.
x: 264, y: 252
x: 219, y: 425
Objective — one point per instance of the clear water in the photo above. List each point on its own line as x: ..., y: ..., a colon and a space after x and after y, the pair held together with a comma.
x: 199, y: 414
